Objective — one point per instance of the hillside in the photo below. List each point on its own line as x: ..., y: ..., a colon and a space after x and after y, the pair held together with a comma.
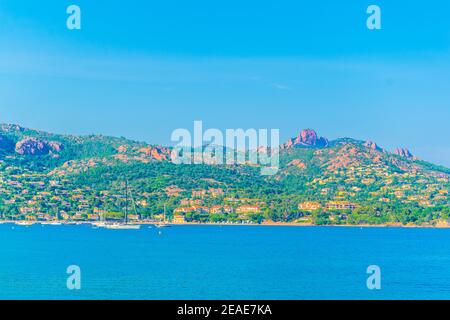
x: 45, y: 176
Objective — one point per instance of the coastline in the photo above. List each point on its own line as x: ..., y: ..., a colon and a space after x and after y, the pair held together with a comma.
x: 293, y: 224
x: 264, y: 224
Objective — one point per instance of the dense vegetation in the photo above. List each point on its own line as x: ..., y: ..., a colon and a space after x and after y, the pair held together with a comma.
x: 343, y: 183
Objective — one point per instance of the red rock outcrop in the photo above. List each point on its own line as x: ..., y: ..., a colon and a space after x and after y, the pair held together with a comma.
x: 403, y: 152
x: 157, y: 153
x: 122, y: 149
x: 33, y: 146
x: 372, y: 145
x: 297, y: 163
x: 306, y: 138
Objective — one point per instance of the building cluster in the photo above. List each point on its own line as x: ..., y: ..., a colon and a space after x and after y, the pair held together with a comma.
x: 25, y: 194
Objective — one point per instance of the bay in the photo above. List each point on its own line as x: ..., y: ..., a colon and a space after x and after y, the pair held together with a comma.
x: 223, y: 262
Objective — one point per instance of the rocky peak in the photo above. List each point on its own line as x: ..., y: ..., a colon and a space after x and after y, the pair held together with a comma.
x: 156, y: 152
x: 306, y: 138
x: 403, y: 152
x: 33, y: 146
x: 372, y: 145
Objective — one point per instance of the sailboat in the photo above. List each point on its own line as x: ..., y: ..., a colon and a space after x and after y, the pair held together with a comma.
x: 163, y: 224
x: 125, y: 225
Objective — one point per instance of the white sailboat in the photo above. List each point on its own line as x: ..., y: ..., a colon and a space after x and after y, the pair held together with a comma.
x: 125, y: 225
x: 163, y: 224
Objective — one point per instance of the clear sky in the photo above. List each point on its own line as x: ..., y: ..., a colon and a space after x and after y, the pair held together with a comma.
x: 141, y: 69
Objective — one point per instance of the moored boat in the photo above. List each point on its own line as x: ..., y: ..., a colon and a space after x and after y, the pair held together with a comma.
x: 51, y: 223
x: 162, y: 225
x: 24, y: 223
x: 125, y: 225
x: 122, y: 226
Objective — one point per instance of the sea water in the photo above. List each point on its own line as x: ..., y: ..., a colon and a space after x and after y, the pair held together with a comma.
x: 223, y: 262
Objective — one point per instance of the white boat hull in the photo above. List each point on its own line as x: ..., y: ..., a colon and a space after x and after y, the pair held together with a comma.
x: 122, y: 226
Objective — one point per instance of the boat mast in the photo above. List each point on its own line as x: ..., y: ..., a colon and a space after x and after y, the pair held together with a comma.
x: 133, y: 204
x: 126, y: 201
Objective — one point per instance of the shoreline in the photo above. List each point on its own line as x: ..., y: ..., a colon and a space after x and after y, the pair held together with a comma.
x: 293, y: 224
x: 264, y: 224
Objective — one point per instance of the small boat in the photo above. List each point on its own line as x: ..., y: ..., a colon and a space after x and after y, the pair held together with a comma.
x: 99, y: 224
x: 162, y: 225
x: 24, y: 223
x: 51, y: 223
x: 121, y: 226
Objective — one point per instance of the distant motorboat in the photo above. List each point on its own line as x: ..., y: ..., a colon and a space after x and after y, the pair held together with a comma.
x: 162, y: 225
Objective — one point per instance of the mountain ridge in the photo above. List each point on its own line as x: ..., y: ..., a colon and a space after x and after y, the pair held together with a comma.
x: 307, y: 138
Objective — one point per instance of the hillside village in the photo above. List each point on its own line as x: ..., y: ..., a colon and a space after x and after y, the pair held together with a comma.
x: 320, y: 182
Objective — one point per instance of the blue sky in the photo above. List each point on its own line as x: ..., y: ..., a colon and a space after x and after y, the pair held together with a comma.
x: 141, y: 69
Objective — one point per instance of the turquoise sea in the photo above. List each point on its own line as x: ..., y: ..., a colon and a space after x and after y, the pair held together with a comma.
x: 223, y: 262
